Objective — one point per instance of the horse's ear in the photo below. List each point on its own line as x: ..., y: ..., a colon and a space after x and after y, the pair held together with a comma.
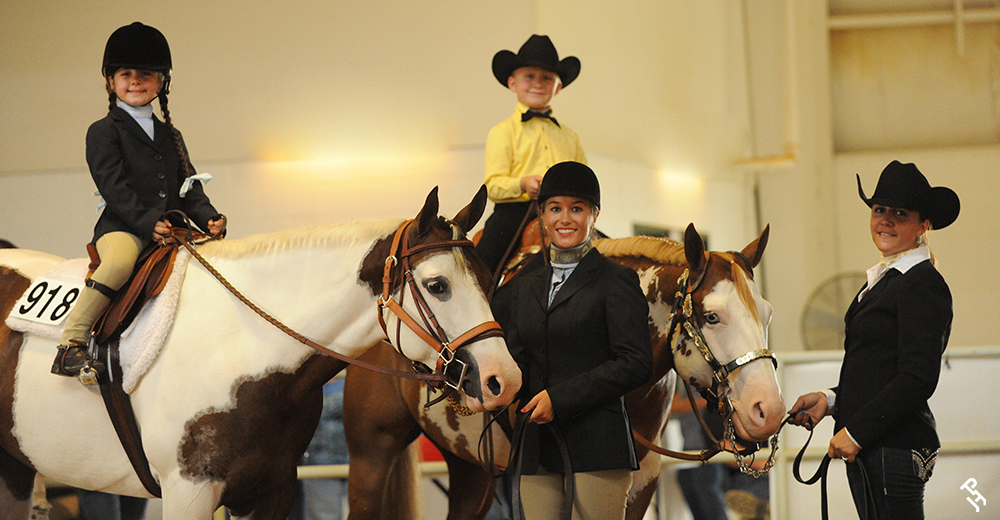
x: 470, y: 215
x: 755, y: 250
x: 429, y: 213
x: 694, y: 249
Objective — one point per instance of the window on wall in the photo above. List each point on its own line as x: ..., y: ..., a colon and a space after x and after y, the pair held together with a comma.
x: 676, y: 234
x: 914, y: 73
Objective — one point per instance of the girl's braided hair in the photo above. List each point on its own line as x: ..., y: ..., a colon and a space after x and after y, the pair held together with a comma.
x: 175, y: 135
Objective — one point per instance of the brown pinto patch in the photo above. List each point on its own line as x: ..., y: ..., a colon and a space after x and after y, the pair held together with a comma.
x: 15, y: 471
x: 255, y: 446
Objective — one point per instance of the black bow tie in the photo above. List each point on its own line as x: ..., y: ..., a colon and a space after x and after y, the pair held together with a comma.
x: 525, y: 117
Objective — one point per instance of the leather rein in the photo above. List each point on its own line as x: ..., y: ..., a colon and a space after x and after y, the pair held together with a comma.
x: 684, y: 327
x: 450, y: 372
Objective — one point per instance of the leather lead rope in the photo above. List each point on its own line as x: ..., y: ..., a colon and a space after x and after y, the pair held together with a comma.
x: 516, y: 462
x: 820, y: 475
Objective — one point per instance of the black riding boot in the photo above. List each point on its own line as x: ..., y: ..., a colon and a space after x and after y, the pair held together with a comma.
x: 70, y: 360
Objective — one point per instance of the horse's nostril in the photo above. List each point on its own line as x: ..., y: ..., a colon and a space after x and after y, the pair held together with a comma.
x: 493, y: 385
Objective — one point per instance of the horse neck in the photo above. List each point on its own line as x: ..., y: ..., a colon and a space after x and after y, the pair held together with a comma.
x: 307, y: 280
x: 659, y: 284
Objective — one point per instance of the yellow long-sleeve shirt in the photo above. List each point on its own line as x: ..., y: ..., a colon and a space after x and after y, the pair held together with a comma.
x: 515, y: 150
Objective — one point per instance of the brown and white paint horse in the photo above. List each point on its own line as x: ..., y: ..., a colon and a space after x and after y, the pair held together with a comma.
x: 726, y: 306
x: 230, y: 404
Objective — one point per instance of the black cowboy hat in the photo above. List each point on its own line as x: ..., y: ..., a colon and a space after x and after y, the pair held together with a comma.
x: 570, y: 179
x: 136, y: 46
x: 903, y: 186
x: 539, y: 52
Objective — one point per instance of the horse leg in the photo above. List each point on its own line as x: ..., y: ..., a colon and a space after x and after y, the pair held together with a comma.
x: 383, y: 480
x: 186, y: 500
x: 470, y: 489
x: 644, y: 482
x: 378, y: 427
x: 278, y: 506
x: 16, y: 483
x: 40, y: 505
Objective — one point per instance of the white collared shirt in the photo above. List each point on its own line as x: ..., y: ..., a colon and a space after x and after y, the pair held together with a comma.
x: 560, y: 272
x: 901, y: 262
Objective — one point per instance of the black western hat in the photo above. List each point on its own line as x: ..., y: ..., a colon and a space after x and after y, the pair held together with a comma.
x: 539, y: 52
x: 903, y: 186
x: 136, y: 46
x: 570, y: 179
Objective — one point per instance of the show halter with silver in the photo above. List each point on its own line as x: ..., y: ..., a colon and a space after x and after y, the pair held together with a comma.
x: 682, y: 319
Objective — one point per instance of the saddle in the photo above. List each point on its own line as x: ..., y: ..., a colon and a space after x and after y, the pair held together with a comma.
x: 150, y: 275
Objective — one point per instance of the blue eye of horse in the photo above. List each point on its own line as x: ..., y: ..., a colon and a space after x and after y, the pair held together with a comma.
x: 711, y: 318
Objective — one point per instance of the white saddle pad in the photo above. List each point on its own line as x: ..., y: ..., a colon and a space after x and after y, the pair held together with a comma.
x: 142, y: 341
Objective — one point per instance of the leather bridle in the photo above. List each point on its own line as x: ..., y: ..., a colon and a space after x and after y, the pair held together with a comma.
x: 431, y: 332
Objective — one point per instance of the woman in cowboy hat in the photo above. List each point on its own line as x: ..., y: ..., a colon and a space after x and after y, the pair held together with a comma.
x: 897, y: 330
x: 577, y: 329
x: 522, y: 147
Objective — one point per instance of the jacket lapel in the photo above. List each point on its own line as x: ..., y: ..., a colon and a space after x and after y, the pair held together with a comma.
x: 582, y: 275
x: 538, y: 282
x: 872, y: 293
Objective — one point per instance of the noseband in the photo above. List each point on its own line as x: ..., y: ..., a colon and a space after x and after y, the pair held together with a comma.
x: 684, y: 326
x: 431, y: 332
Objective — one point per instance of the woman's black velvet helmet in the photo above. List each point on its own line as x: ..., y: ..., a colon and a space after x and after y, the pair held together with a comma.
x: 571, y: 179
x: 136, y: 46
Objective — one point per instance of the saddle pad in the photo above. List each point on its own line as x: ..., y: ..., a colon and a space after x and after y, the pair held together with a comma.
x: 70, y: 271
x: 142, y: 341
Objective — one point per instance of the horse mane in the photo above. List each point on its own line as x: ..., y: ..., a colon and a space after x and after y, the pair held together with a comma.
x: 667, y: 251
x: 658, y: 249
x: 310, y: 236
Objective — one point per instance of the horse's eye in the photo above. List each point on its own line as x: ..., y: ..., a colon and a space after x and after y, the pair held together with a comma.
x: 711, y: 318
x: 437, y: 286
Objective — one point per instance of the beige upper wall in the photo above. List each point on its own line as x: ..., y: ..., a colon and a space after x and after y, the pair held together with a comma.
x: 662, y: 83
x: 671, y: 98
x: 262, y: 80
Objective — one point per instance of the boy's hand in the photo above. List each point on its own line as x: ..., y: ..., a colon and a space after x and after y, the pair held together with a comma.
x: 530, y: 185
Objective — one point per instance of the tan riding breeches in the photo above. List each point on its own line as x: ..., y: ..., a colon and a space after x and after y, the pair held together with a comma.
x: 118, y: 251
x: 600, y: 495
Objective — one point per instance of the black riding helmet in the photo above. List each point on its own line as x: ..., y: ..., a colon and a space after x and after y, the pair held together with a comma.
x: 137, y: 46
x: 571, y: 179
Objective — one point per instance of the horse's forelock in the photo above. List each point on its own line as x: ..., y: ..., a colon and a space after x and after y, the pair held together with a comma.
x: 741, y: 280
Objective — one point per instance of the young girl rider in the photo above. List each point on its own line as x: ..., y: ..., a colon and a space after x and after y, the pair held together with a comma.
x: 141, y: 168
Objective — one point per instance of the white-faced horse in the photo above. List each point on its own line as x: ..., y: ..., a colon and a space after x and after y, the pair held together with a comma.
x: 725, y: 305
x: 229, y: 405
